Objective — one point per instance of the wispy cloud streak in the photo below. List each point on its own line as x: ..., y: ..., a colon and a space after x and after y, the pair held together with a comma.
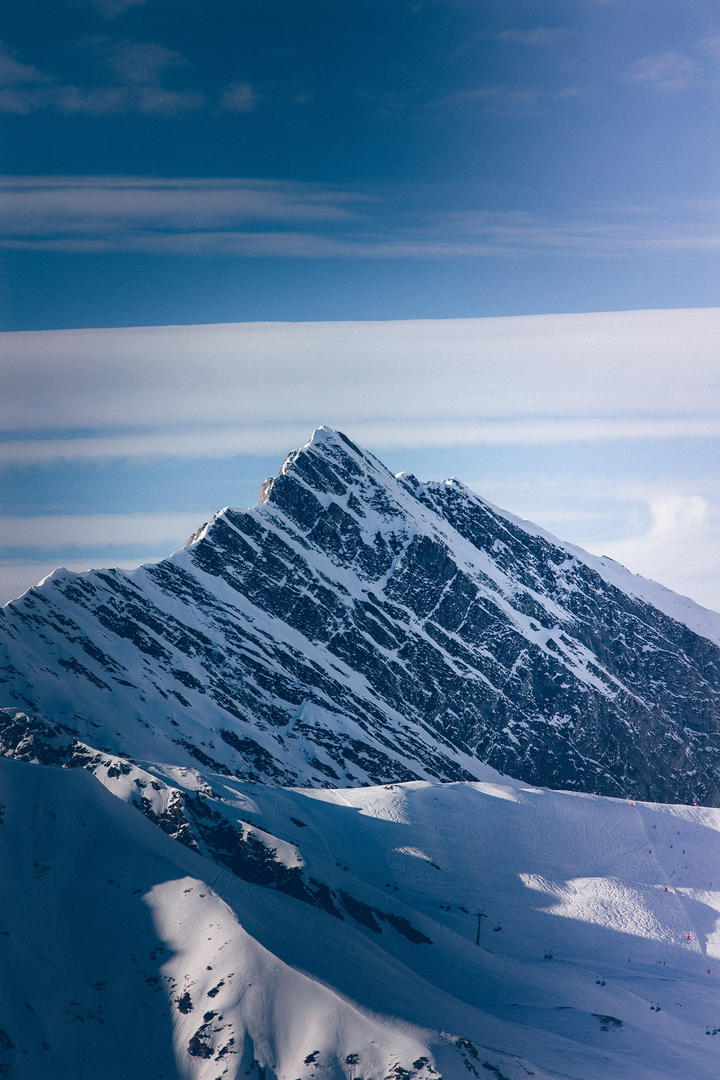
x: 225, y: 442
x: 668, y: 72
x: 250, y: 218
x: 537, y: 35
x: 97, y: 530
x: 118, y: 211
x: 135, y: 79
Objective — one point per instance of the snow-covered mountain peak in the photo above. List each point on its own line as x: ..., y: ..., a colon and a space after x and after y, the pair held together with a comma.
x: 357, y: 627
x: 324, y: 435
x: 333, y: 464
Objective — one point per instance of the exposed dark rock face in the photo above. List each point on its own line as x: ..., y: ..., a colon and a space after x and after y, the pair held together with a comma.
x: 356, y: 627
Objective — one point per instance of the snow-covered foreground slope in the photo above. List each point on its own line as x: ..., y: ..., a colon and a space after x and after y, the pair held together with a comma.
x: 356, y: 627
x: 238, y: 930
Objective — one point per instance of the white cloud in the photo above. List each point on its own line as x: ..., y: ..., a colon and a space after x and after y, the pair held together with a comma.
x: 669, y: 72
x: 424, y: 382
x: 239, y: 97
x: 679, y: 547
x: 156, y: 100
x: 610, y: 233
x: 142, y: 62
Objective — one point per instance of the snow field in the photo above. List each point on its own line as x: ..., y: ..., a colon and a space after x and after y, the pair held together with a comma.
x: 123, y: 951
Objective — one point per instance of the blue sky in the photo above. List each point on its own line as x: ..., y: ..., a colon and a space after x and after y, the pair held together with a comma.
x: 169, y: 163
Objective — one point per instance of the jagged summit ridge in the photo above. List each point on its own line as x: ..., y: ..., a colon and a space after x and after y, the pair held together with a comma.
x: 359, y: 627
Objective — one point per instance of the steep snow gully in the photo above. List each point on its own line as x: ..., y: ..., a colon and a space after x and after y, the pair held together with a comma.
x: 256, y: 818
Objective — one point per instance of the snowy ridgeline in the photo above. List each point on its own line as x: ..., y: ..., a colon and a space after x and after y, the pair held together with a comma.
x: 166, y: 924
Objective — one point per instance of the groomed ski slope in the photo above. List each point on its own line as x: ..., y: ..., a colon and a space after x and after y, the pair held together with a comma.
x: 125, y: 954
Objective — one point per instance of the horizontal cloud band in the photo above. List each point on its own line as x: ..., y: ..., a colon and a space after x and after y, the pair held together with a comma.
x: 214, y: 391
x: 221, y: 443
x: 269, y: 218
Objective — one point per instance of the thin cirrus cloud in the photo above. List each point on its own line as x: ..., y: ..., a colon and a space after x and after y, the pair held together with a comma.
x: 499, y: 96
x: 99, y: 101
x: 672, y: 72
x: 142, y: 63
x: 669, y: 72
x: 239, y: 97
x: 271, y: 218
x: 97, y: 530
x: 271, y: 437
x: 514, y: 99
x: 117, y: 209
x: 538, y: 35
x: 137, y: 71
